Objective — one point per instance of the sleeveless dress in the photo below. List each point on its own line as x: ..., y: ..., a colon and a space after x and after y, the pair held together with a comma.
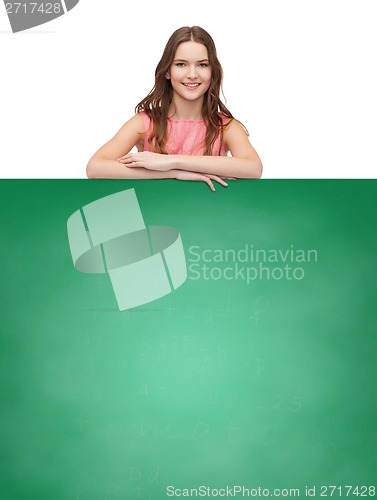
x: 184, y: 137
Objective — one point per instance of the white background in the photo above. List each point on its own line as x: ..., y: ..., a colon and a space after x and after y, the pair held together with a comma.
x: 299, y: 74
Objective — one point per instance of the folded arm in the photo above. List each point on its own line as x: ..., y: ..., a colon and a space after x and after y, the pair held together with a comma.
x: 244, y: 162
x: 104, y: 164
x: 113, y: 160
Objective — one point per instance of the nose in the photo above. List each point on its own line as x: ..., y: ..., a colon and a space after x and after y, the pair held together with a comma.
x: 191, y: 72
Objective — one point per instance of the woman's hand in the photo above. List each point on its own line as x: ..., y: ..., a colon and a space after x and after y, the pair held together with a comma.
x: 184, y: 175
x: 148, y: 160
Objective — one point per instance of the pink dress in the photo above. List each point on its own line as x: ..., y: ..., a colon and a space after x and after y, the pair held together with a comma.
x: 184, y: 137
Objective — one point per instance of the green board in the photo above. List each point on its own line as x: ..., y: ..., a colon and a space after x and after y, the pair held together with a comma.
x: 259, y: 371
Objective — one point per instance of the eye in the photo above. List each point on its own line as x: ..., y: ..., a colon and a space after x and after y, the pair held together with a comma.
x: 180, y: 65
x: 203, y: 65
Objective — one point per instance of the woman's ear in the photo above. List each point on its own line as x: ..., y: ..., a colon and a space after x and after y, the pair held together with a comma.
x: 167, y: 76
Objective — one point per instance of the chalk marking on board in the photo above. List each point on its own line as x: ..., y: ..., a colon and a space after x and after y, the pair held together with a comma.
x: 260, y: 367
x: 113, y: 488
x: 143, y: 391
x: 162, y: 393
x: 201, y: 430
x: 279, y: 402
x: 135, y: 474
x: 141, y: 430
x: 141, y: 492
x: 231, y: 428
x: 81, y: 421
x: 165, y: 431
x: 80, y: 491
x: 154, y: 475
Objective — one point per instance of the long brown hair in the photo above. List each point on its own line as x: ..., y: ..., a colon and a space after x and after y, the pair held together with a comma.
x: 156, y: 104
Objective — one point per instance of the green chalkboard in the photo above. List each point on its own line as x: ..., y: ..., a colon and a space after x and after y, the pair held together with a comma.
x: 259, y: 371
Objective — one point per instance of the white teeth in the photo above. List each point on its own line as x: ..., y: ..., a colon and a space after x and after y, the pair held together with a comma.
x: 191, y: 84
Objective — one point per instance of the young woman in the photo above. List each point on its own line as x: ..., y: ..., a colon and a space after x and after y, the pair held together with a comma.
x: 182, y: 130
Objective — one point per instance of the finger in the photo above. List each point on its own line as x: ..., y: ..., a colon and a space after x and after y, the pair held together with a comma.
x: 222, y: 182
x: 127, y: 161
x: 134, y: 164
x: 123, y: 157
x: 210, y: 184
x: 215, y: 177
x: 128, y: 157
x: 218, y: 179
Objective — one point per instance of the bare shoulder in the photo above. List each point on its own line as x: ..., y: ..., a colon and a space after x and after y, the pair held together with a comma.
x: 235, y: 132
x: 236, y: 140
x: 136, y: 124
x: 131, y: 134
x: 132, y: 131
x: 235, y: 127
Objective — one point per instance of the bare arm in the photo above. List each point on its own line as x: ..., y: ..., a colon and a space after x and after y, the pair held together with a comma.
x: 103, y: 163
x: 103, y: 168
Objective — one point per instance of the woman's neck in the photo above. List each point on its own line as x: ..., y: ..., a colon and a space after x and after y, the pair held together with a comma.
x: 181, y: 109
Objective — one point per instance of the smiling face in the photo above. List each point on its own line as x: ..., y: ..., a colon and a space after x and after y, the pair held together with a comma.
x: 190, y: 74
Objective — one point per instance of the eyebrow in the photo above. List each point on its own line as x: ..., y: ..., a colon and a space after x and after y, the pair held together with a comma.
x: 184, y: 60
